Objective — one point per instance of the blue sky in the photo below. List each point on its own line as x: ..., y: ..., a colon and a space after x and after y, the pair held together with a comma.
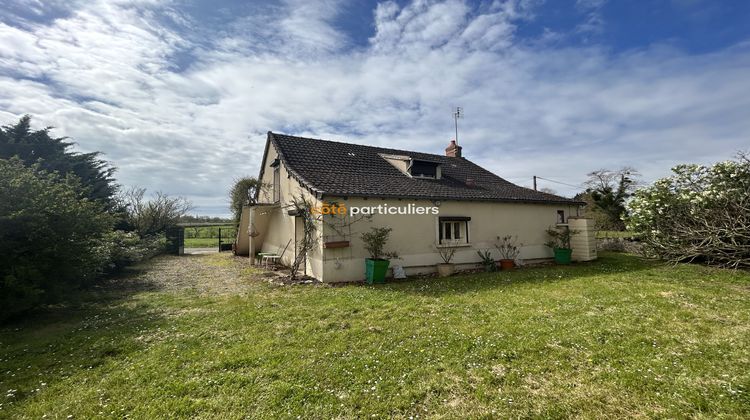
x: 179, y: 94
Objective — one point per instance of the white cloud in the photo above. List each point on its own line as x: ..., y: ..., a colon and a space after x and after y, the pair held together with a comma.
x: 105, y: 74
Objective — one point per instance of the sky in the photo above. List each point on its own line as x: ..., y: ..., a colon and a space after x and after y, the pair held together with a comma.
x: 179, y: 94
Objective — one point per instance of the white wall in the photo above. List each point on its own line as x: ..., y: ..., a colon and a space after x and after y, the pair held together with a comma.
x: 276, y: 226
x: 414, y: 236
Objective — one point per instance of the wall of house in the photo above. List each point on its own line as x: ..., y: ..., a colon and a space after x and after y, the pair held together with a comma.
x: 242, y: 243
x: 275, y: 227
x: 414, y: 237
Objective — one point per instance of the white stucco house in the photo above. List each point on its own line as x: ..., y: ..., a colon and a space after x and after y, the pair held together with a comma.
x: 474, y: 207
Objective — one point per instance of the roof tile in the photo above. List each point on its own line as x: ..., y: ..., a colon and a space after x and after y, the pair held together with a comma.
x: 344, y: 169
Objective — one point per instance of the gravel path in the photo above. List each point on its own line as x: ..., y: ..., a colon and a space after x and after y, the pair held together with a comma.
x: 213, y: 273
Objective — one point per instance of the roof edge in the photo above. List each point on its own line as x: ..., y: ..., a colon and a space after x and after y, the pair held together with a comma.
x: 569, y: 202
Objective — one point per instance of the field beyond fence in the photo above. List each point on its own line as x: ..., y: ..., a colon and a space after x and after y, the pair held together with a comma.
x: 208, y: 236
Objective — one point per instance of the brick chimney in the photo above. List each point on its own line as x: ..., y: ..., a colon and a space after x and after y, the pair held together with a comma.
x: 453, y: 150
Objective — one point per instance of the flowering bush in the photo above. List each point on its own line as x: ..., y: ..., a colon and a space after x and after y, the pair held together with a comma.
x: 699, y: 214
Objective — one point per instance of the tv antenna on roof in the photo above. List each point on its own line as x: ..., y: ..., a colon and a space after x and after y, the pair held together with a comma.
x: 458, y: 113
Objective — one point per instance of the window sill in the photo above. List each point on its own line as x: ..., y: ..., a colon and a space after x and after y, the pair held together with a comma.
x: 453, y: 245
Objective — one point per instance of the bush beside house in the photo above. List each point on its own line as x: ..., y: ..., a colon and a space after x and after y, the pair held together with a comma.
x: 699, y: 214
x: 63, y: 223
x: 52, y: 237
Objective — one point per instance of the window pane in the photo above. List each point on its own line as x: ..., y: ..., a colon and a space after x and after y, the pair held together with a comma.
x: 447, y: 231
x: 276, y: 185
x: 457, y: 230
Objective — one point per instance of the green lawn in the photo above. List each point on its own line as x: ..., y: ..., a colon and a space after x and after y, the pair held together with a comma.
x: 208, y: 236
x: 205, y: 336
x: 205, y: 242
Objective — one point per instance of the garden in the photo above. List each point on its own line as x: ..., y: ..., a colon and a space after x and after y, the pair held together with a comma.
x: 209, y: 336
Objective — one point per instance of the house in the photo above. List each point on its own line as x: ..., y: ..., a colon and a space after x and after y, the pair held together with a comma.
x: 428, y: 200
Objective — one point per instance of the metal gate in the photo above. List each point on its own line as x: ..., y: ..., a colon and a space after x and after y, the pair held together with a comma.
x: 227, y: 236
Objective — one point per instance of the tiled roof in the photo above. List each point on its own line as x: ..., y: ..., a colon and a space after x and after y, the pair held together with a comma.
x: 337, y: 169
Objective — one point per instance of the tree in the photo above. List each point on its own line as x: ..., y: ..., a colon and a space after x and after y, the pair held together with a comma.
x: 606, y: 195
x: 243, y: 192
x: 154, y: 216
x: 699, y: 214
x: 53, y: 238
x: 54, y: 154
x: 548, y: 190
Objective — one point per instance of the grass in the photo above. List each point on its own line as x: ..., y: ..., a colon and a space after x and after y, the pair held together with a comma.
x: 205, y: 337
x: 208, y: 236
x: 205, y: 242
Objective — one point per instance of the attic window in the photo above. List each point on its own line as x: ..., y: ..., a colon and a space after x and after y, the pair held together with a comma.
x: 424, y: 169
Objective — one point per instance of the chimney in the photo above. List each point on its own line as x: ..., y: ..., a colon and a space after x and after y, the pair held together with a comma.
x: 453, y: 150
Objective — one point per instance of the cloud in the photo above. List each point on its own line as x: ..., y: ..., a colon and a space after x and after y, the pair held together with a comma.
x: 181, y: 103
x: 594, y: 22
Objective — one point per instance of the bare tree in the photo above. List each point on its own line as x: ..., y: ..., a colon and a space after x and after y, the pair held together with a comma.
x: 149, y: 217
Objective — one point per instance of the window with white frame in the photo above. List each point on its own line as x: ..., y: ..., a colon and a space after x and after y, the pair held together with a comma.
x: 453, y: 230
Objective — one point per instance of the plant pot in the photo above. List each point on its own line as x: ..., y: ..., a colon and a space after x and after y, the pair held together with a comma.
x: 562, y: 255
x: 445, y: 270
x: 489, y: 267
x: 375, y: 270
x: 506, y: 264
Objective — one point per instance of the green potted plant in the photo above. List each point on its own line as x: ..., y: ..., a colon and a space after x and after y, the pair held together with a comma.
x: 446, y: 268
x: 487, y: 261
x: 560, y: 243
x: 509, y: 250
x: 377, y: 265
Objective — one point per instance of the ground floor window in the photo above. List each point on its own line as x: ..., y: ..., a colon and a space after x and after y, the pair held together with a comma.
x: 454, y: 231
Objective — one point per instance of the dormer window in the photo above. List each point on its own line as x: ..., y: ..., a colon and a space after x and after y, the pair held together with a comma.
x: 415, y: 168
x: 424, y: 169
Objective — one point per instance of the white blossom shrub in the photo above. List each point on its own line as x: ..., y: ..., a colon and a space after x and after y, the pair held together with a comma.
x: 699, y: 214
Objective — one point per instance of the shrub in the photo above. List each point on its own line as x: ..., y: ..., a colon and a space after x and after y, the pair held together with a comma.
x: 375, y: 241
x: 52, y: 237
x: 487, y: 261
x: 154, y: 216
x: 127, y: 248
x: 446, y: 253
x: 699, y: 214
x: 560, y: 238
x: 508, y: 247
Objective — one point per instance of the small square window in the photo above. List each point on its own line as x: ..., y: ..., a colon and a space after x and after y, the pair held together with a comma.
x: 561, y: 216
